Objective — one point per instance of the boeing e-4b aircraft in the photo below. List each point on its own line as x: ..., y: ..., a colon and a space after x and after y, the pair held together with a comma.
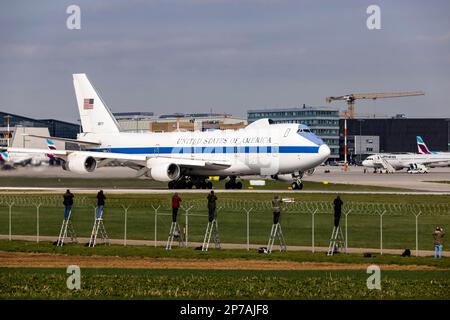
x: 186, y: 159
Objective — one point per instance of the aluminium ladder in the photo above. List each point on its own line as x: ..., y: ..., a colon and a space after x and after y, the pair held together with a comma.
x: 274, y: 232
x: 66, y: 228
x: 174, y: 232
x: 212, y: 229
x: 337, y: 241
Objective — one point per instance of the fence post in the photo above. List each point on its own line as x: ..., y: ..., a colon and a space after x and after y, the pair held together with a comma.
x: 156, y: 223
x: 125, y: 224
x: 37, y: 221
x: 417, y: 232
x: 313, y: 226
x: 346, y: 232
x: 187, y: 225
x: 10, y: 209
x: 248, y: 227
x: 381, y: 231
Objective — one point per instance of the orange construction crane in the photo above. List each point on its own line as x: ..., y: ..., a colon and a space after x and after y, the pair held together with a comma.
x: 350, y: 98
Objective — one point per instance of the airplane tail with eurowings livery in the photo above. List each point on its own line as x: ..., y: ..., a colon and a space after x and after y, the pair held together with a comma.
x: 421, y: 146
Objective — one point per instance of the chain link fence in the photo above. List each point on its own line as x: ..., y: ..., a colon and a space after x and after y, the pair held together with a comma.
x: 246, y: 222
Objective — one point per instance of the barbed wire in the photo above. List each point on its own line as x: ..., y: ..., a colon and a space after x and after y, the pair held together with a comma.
x: 237, y: 205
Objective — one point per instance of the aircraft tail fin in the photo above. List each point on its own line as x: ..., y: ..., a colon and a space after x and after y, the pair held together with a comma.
x: 421, y: 146
x: 94, y: 114
x: 5, y: 156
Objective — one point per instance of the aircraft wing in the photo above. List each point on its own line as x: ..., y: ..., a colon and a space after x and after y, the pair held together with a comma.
x: 431, y: 162
x: 134, y: 161
x: 75, y: 141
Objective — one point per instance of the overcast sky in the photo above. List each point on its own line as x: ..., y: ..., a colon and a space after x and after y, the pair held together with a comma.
x: 225, y: 55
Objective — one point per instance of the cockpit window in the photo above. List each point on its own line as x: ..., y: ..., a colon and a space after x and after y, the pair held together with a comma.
x: 303, y: 130
x: 287, y: 132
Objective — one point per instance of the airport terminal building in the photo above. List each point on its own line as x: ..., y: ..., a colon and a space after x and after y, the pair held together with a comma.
x: 56, y: 128
x: 323, y: 121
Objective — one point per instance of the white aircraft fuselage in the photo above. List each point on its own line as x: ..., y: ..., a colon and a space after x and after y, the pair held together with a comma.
x: 406, y: 160
x: 263, y: 150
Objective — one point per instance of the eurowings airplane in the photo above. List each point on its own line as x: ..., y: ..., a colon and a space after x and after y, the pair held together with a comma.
x: 421, y: 161
x: 186, y: 159
x: 28, y: 158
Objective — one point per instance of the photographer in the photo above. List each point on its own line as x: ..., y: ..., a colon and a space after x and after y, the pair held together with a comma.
x: 211, y: 206
x: 68, y: 202
x: 276, y: 208
x: 438, y: 235
x: 175, y: 206
x: 100, y: 204
x: 337, y: 210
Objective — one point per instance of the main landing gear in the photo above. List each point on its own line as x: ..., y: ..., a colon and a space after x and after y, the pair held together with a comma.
x: 189, y: 183
x: 232, y: 184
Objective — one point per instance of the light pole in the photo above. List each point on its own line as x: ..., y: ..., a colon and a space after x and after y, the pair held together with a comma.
x: 448, y: 134
x: 360, y: 130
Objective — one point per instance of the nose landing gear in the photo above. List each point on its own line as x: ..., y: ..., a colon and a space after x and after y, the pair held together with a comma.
x: 297, y: 185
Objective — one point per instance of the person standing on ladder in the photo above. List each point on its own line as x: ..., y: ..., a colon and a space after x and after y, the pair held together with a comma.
x: 68, y: 203
x: 100, y: 204
x: 276, y: 208
x: 175, y: 206
x: 337, y: 210
x: 211, y: 206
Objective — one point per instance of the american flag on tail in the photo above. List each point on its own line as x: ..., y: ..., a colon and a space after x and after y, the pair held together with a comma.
x: 88, y: 104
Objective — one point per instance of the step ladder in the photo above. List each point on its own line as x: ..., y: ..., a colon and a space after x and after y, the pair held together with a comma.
x: 274, y: 232
x: 98, y: 226
x: 66, y: 228
x: 212, y: 229
x: 176, y: 233
x: 337, y: 241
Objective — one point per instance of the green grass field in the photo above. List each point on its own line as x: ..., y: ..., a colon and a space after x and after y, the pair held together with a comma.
x: 221, y: 284
x: 363, y: 226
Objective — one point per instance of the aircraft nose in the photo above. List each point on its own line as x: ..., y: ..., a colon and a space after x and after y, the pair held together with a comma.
x: 365, y: 163
x: 324, y: 152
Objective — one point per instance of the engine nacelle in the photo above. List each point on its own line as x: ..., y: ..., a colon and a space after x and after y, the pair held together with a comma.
x: 80, y: 163
x: 164, y: 171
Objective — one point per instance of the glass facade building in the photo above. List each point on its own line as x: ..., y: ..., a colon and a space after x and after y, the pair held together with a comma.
x: 323, y: 121
x: 56, y: 128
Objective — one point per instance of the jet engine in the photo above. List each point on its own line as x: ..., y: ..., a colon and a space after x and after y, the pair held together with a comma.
x: 164, y: 171
x: 80, y: 163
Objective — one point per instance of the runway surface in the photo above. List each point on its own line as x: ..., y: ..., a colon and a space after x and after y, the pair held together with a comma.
x: 332, y: 174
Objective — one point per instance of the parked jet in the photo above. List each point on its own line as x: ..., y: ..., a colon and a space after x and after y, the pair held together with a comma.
x: 414, y: 163
x: 23, y: 159
x: 186, y: 159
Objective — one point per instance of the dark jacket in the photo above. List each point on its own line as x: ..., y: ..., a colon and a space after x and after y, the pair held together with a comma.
x: 68, y: 199
x: 100, y: 199
x: 212, y: 201
x: 337, y: 206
